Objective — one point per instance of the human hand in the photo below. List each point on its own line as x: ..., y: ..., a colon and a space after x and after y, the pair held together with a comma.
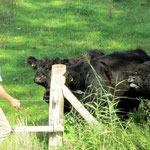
x: 15, y: 103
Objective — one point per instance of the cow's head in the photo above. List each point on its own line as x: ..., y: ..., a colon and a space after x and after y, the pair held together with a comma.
x: 42, y: 68
x: 140, y: 78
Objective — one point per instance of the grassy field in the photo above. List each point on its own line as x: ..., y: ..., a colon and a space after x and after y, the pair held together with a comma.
x: 67, y: 28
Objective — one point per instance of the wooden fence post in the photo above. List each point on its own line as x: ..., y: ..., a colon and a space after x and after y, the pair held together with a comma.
x: 56, y: 105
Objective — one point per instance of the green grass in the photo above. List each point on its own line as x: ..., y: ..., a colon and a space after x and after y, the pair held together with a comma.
x: 66, y: 28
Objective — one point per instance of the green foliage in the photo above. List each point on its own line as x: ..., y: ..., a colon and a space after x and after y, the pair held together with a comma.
x: 111, y: 132
x: 142, y: 115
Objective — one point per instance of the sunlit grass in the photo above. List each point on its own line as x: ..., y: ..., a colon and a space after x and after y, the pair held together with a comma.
x: 64, y: 28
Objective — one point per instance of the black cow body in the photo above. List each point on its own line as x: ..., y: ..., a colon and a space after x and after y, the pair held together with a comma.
x: 111, y: 69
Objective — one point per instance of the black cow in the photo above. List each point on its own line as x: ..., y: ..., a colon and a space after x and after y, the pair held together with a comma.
x: 111, y: 69
x: 42, y: 67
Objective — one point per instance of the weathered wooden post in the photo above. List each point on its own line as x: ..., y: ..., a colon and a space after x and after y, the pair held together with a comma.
x: 56, y: 105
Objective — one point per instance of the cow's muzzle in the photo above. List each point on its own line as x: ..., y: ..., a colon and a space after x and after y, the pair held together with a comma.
x: 132, y: 82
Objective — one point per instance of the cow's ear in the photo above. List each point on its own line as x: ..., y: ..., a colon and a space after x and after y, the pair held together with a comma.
x: 31, y: 61
x: 107, y: 71
x: 56, y: 60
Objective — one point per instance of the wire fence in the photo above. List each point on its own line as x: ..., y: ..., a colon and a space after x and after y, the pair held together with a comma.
x: 26, y: 100
x: 117, y: 97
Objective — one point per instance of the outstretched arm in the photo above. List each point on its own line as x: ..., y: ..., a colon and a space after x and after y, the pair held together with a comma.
x: 14, y: 102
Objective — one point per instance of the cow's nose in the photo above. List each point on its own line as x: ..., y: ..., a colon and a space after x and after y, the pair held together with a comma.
x: 131, y: 79
x: 37, y: 80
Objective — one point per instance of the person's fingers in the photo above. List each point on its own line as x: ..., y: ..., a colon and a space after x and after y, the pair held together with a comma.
x: 16, y: 107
